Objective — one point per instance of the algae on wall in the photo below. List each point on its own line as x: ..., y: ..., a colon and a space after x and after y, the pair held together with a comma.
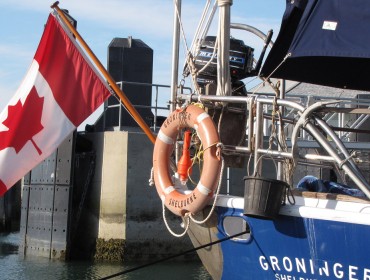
x: 109, y: 250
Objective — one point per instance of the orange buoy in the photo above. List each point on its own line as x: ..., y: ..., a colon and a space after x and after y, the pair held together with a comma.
x: 184, y: 164
x: 177, y: 201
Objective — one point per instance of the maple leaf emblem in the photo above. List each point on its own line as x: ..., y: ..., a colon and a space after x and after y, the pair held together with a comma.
x: 23, y: 122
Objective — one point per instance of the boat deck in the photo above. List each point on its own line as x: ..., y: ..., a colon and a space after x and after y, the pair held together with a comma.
x: 329, y: 196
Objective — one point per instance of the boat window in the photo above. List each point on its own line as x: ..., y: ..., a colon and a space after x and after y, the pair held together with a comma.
x: 233, y: 225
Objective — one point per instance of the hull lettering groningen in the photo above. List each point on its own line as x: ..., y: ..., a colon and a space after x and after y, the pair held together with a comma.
x: 287, y: 268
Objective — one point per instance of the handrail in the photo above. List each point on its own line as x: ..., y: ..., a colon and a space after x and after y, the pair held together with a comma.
x: 156, y: 108
x: 309, y: 121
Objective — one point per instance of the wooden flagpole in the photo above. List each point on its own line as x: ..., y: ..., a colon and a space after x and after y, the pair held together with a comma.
x: 107, y: 76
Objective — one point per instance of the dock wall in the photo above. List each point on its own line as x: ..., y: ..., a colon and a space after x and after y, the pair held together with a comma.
x: 130, y: 210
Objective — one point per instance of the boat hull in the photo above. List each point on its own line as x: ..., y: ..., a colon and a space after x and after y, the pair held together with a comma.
x: 293, y: 246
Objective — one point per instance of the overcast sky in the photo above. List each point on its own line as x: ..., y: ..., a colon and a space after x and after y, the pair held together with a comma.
x: 22, y: 23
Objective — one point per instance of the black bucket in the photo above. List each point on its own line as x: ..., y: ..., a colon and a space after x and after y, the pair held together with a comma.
x: 263, y: 197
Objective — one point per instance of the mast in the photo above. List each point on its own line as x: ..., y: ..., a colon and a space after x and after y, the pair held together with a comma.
x: 223, y: 45
x: 175, y: 52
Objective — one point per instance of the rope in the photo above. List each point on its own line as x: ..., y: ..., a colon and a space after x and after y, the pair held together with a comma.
x: 211, y: 58
x: 268, y: 77
x: 198, y: 104
x: 151, y: 179
x: 198, y: 157
x: 189, y: 215
x: 207, y: 24
x: 291, y: 195
x: 193, y: 72
x: 255, y: 172
x: 216, y: 196
x: 188, y: 54
x: 187, y: 222
x: 276, y: 116
x: 277, y: 67
x: 248, y: 165
x: 275, y: 110
x: 181, y: 27
x: 176, y: 255
x: 197, y: 39
x: 219, y: 121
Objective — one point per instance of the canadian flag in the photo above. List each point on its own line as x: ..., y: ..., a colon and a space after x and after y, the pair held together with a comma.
x: 60, y: 90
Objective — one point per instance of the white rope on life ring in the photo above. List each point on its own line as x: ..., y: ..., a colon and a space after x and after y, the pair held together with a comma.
x: 176, y: 201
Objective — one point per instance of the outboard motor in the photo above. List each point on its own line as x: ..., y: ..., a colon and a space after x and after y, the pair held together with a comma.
x: 241, y: 61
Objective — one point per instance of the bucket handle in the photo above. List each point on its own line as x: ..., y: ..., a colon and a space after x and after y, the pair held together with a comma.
x: 289, y: 190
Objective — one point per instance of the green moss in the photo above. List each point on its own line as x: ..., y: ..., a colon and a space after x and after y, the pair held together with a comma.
x: 109, y: 250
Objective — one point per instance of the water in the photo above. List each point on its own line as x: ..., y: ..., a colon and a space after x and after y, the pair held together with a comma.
x: 14, y: 267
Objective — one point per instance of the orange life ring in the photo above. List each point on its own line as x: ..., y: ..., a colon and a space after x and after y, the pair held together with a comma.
x: 182, y: 202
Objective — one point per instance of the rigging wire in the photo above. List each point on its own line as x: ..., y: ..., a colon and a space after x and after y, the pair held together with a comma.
x: 200, y: 33
x: 181, y: 27
x: 195, y: 44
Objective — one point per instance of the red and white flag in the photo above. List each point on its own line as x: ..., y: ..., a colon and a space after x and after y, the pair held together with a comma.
x: 60, y: 90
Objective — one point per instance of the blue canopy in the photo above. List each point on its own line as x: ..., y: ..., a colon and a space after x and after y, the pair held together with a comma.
x: 325, y: 42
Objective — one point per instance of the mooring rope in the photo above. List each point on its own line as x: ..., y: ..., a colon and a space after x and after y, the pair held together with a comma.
x: 215, y: 198
x: 176, y: 255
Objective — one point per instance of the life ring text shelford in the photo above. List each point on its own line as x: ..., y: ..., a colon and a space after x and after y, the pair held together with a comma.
x: 176, y: 201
